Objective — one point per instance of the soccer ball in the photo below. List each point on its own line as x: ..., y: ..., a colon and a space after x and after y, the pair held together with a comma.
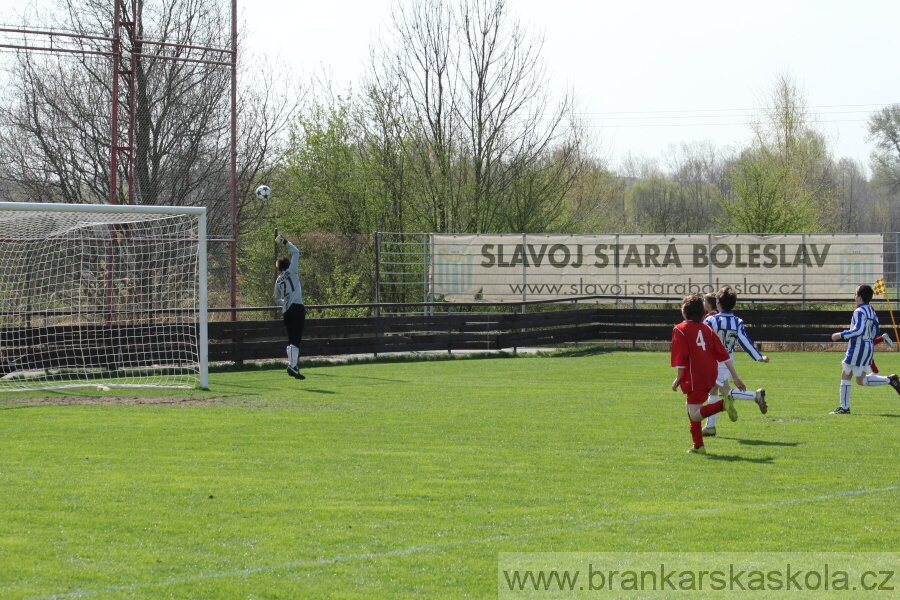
x: 263, y: 192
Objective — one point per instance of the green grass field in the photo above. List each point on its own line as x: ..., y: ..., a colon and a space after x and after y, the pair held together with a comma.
x: 407, y: 479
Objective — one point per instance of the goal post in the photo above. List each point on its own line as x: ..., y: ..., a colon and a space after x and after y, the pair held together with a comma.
x: 102, y: 295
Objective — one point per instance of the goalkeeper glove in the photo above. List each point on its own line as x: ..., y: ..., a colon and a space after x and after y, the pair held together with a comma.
x: 281, y: 239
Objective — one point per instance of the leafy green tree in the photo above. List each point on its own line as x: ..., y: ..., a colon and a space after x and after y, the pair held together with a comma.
x: 327, y: 200
x: 328, y: 177
x: 784, y: 182
x: 760, y: 188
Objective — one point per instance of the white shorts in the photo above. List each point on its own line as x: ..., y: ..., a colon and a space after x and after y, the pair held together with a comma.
x: 856, y: 371
x: 723, y: 375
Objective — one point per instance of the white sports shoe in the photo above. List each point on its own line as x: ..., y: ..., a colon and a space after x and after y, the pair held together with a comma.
x: 888, y: 340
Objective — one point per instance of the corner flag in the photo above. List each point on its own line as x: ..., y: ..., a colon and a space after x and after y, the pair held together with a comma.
x: 879, y: 288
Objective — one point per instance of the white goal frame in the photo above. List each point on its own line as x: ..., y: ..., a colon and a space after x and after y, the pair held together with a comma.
x: 193, y: 242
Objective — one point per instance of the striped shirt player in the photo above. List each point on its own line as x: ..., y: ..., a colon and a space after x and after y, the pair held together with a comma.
x: 864, y: 328
x: 730, y: 329
x: 289, y: 295
x: 860, y: 349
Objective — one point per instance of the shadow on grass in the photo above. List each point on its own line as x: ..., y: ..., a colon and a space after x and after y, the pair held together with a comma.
x: 307, y: 363
x: 319, y: 375
x: 759, y: 442
x: 413, y: 357
x: 729, y: 458
x: 587, y: 351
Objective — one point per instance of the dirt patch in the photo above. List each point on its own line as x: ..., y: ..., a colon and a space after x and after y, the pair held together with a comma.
x: 110, y: 401
x: 106, y: 400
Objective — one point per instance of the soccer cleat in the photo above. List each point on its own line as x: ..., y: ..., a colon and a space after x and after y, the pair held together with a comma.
x: 887, y: 340
x: 709, y: 431
x: 700, y: 450
x: 294, y: 372
x: 840, y: 411
x: 728, y: 406
x: 894, y: 380
x: 761, y: 401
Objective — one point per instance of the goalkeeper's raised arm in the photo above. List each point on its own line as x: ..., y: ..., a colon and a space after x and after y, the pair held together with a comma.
x: 289, y: 295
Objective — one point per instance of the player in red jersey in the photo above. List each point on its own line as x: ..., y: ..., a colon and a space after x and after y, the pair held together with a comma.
x: 881, y: 338
x: 696, y: 353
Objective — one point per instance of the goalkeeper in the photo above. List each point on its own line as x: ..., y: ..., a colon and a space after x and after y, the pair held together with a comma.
x: 290, y: 296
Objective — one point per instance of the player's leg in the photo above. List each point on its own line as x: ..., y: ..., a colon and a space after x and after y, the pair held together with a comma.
x: 720, y: 388
x: 846, y: 388
x: 294, y: 321
x: 894, y: 380
x: 695, y: 407
x: 726, y: 404
x: 758, y: 396
x: 872, y: 378
x: 709, y: 427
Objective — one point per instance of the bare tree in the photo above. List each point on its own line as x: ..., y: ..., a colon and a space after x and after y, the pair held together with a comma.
x: 56, y: 128
x: 595, y: 203
x: 884, y: 130
x: 699, y: 172
x: 855, y: 201
x: 479, y: 123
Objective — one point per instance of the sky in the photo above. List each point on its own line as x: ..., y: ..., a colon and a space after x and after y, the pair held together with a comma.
x: 649, y: 75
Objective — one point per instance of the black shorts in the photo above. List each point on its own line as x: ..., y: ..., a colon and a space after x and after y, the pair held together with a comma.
x: 294, y: 321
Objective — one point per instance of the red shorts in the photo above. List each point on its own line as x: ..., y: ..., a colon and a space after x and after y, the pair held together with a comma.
x: 697, y: 396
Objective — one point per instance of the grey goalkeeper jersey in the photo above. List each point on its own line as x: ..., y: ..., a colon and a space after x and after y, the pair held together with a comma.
x: 287, y: 286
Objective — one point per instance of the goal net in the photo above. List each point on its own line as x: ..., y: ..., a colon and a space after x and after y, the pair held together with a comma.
x: 100, y: 295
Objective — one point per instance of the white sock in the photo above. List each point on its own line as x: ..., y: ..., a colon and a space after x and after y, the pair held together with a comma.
x: 711, y: 419
x: 737, y: 394
x: 872, y: 379
x: 845, y: 393
x: 293, y: 355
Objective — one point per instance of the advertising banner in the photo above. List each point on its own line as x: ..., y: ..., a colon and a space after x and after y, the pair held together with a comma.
x: 517, y: 267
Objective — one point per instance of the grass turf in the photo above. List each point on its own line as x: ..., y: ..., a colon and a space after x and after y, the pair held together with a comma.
x: 406, y: 479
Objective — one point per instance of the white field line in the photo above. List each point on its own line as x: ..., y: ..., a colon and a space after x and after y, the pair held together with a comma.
x: 426, y: 547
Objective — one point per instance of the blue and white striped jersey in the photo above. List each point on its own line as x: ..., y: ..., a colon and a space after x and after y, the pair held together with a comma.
x: 863, y: 330
x: 730, y: 330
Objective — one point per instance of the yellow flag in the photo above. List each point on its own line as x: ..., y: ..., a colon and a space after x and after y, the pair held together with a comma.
x: 879, y: 287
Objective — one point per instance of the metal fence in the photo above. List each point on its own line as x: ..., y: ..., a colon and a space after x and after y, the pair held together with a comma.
x: 124, y: 102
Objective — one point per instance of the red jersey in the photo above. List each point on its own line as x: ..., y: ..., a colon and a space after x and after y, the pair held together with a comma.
x: 697, y: 348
